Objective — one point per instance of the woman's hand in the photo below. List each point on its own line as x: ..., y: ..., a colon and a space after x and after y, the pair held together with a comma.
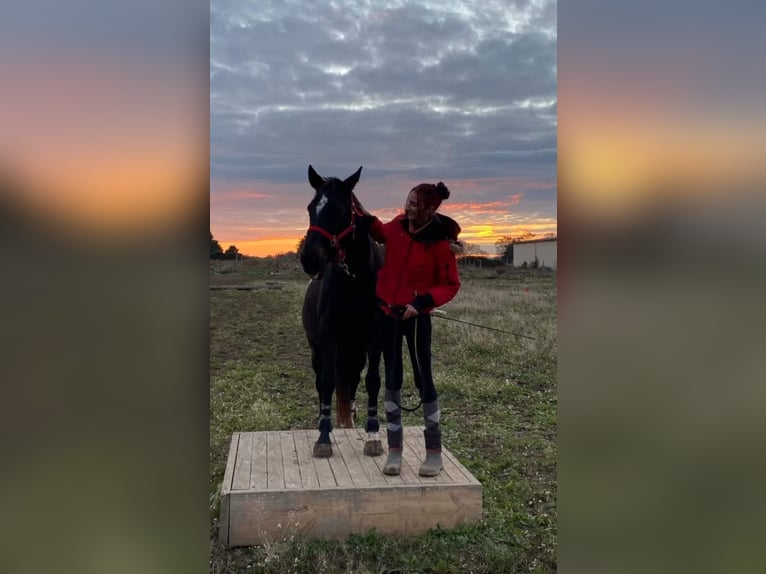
x: 409, y: 312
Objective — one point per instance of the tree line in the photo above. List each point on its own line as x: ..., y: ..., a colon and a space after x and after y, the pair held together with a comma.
x: 503, y: 247
x: 216, y: 252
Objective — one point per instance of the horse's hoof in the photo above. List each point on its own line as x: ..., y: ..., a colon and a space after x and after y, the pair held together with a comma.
x: 322, y: 450
x: 373, y: 448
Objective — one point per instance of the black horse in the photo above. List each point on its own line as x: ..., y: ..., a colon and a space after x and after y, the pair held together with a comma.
x: 339, y: 307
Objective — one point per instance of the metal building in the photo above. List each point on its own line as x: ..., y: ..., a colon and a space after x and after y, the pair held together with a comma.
x: 544, y: 250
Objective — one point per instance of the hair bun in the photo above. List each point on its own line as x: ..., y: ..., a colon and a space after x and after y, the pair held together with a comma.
x: 442, y: 190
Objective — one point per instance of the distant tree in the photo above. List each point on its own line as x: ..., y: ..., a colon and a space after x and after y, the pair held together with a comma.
x: 504, y: 245
x: 232, y: 251
x: 481, y: 261
x: 215, y: 247
x: 506, y: 253
x: 472, y: 249
x: 504, y: 248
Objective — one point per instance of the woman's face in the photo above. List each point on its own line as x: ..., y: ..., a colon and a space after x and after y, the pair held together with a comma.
x: 417, y: 211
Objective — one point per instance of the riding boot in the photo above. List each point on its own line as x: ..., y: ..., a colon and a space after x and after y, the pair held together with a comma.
x: 394, y: 461
x: 432, y: 465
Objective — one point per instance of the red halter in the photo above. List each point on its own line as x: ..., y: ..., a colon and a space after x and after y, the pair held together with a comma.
x: 335, y: 239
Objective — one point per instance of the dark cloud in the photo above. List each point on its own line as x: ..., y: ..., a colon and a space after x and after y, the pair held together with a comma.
x: 424, y: 90
x: 169, y: 33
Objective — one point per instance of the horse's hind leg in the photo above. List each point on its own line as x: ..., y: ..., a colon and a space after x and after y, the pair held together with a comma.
x: 323, y: 446
x: 373, y: 445
x: 316, y: 364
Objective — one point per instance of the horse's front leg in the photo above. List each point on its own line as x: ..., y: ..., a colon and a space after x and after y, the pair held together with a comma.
x: 326, y: 384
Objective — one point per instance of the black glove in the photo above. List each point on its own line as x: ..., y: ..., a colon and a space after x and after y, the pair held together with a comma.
x: 397, y: 311
x: 420, y: 302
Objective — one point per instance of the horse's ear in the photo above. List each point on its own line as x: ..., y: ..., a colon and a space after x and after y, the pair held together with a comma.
x: 352, y: 180
x: 315, y: 179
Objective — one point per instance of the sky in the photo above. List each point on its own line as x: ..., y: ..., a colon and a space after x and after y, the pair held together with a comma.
x: 104, y: 111
x: 661, y: 103
x: 462, y: 92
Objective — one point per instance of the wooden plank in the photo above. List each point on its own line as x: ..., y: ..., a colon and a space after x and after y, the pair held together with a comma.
x: 228, y: 477
x: 305, y: 463
x: 419, y: 448
x: 456, y: 476
x: 228, y: 474
x: 259, y: 467
x: 292, y: 474
x: 457, y: 471
x: 223, y: 520
x: 374, y: 472
x: 439, y: 501
x: 349, y: 451
x: 271, y: 516
x: 275, y: 478
x: 339, y: 470
x: 321, y: 465
x: 410, y: 464
x: 241, y: 480
x: 470, y: 478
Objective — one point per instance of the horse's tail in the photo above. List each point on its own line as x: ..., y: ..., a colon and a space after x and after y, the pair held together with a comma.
x: 343, y: 407
x: 348, y: 373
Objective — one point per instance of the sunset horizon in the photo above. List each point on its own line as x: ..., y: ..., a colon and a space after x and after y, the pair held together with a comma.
x: 258, y: 223
x: 477, y: 236
x: 413, y: 93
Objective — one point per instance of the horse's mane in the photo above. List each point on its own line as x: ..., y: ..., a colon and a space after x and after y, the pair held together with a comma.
x: 358, y: 205
x: 377, y: 251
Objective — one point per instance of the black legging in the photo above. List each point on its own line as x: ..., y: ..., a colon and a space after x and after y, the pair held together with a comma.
x: 392, y: 331
x: 417, y: 331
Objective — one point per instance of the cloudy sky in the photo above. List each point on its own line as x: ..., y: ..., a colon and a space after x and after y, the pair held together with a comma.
x: 457, y: 91
x: 661, y: 101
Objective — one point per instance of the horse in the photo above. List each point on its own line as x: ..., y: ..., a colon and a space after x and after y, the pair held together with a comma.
x: 340, y: 305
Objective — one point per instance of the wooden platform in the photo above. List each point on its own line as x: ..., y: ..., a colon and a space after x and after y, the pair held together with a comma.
x: 273, y: 489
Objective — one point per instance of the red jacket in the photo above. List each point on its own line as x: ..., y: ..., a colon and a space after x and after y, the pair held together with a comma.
x: 419, y: 269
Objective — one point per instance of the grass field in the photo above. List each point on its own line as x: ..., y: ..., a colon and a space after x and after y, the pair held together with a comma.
x: 498, y: 404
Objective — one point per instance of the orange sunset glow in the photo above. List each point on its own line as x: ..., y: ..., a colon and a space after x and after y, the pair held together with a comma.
x: 88, y: 160
x: 629, y: 142
x: 483, y: 235
x: 264, y: 218
x: 614, y: 170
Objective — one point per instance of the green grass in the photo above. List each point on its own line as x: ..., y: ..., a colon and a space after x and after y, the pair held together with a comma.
x: 498, y: 401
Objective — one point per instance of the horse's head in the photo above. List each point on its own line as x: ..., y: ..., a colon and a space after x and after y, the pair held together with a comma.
x: 331, y: 220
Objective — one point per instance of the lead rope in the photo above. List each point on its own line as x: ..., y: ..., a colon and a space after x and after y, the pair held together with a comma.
x: 420, y: 372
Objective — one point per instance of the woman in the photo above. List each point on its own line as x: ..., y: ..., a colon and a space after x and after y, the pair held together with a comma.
x: 419, y: 274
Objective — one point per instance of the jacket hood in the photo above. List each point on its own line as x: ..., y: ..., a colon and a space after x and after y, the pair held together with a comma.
x: 441, y: 227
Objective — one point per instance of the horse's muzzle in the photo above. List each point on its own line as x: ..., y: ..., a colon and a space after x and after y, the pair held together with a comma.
x: 310, y: 264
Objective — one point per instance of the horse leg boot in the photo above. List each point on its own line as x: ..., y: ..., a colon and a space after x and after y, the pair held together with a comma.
x: 323, y: 446
x: 394, y: 432
x: 433, y: 437
x: 394, y: 461
x: 373, y: 445
x: 432, y: 465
